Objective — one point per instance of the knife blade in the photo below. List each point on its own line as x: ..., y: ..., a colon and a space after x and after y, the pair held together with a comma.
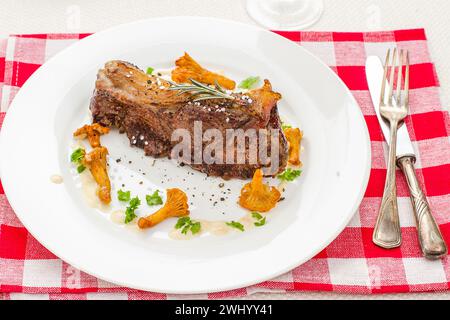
x: 374, y: 74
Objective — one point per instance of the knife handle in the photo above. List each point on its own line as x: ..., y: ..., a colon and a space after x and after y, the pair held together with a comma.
x: 430, y: 237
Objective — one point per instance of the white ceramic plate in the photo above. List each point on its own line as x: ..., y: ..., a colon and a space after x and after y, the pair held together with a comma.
x: 36, y: 142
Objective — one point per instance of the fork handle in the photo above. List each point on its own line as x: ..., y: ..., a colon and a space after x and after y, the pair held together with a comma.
x: 430, y: 237
x: 387, y: 233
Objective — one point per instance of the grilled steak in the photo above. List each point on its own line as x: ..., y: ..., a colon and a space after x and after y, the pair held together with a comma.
x: 141, y: 106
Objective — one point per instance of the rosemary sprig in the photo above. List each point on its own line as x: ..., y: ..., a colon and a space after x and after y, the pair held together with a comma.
x: 201, y: 91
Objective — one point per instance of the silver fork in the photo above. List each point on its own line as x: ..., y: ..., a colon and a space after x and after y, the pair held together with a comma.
x: 393, y: 109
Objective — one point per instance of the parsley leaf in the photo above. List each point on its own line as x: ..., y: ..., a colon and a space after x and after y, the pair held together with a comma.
x: 130, y: 214
x: 185, y: 229
x: 261, y: 222
x: 285, y: 126
x: 150, y: 70
x: 235, y: 225
x: 257, y: 215
x: 77, y: 155
x: 123, y: 195
x: 289, y: 175
x: 260, y: 219
x: 186, y: 224
x: 249, y: 83
x: 181, y: 222
x: 195, y: 227
x: 135, y: 202
x: 154, y: 199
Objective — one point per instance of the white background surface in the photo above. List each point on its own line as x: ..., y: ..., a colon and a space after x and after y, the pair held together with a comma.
x: 30, y: 16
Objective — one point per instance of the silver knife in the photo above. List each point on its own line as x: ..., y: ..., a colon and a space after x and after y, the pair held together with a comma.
x: 430, y: 238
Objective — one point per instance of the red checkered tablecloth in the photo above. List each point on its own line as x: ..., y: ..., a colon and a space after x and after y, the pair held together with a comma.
x: 352, y: 263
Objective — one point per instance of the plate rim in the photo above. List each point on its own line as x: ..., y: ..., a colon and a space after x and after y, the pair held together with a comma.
x: 8, y: 186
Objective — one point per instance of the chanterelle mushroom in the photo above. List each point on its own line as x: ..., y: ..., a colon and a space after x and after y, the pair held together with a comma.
x: 96, y: 162
x: 187, y: 68
x: 176, y: 206
x: 257, y: 196
x: 294, y: 138
x: 92, y: 132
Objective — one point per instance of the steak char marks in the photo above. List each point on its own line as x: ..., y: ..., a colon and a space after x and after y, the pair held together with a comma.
x: 141, y: 106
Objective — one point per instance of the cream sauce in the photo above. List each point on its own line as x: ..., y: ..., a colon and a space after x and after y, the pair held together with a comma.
x: 118, y: 216
x: 282, y: 186
x: 56, y: 179
x: 176, y: 234
x: 133, y: 226
x: 216, y: 228
x: 89, y: 189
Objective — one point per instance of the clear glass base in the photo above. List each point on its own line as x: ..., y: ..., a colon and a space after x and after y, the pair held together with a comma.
x: 285, y: 14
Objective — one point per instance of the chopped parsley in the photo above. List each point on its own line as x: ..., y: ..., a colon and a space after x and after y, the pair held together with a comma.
x: 77, y: 155
x: 123, y: 195
x: 249, y: 83
x: 257, y: 215
x: 130, y: 214
x: 181, y: 222
x: 77, y: 158
x: 289, y: 175
x: 186, y: 224
x: 260, y: 219
x: 261, y: 222
x: 135, y: 202
x: 236, y: 225
x: 154, y: 199
x: 285, y: 126
x: 195, y: 227
x: 150, y: 70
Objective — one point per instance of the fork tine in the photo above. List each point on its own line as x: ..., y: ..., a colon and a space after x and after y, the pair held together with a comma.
x: 407, y: 80
x: 383, y: 86
x: 391, y: 81
x: 400, y: 77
